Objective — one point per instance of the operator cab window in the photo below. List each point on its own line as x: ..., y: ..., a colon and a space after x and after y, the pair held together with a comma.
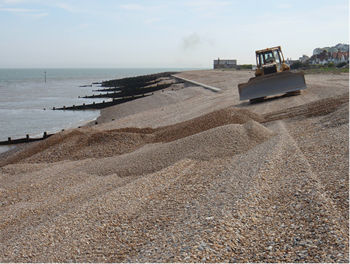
x: 260, y: 59
x: 277, y: 56
x: 268, y: 57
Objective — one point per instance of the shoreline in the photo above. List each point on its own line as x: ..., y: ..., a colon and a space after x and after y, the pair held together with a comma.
x: 61, y: 84
x: 106, y: 84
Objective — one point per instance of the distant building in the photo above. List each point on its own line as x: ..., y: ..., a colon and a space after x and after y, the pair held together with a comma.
x: 219, y: 64
x: 289, y: 61
x: 336, y: 54
x: 304, y: 58
x: 328, y: 57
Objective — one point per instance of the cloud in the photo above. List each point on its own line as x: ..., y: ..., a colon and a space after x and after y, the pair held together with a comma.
x: 39, y: 15
x: 132, y: 7
x: 152, y: 20
x: 25, y: 12
x: 207, y: 4
x: 69, y: 8
x: 18, y: 10
x: 207, y: 9
x: 14, y: 1
x: 285, y: 5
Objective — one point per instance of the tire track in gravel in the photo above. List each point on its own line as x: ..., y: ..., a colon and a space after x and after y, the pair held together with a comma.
x: 320, y: 107
x: 92, y: 223
x: 286, y: 217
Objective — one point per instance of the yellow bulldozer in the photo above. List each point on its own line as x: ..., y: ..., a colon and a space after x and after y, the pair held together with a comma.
x: 272, y: 76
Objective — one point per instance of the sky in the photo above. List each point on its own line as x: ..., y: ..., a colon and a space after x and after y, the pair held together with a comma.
x: 163, y: 33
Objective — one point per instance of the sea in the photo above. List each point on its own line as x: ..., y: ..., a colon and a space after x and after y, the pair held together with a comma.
x: 27, y: 97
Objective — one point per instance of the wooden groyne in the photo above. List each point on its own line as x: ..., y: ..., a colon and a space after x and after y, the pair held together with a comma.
x: 137, y: 81
x: 27, y: 139
x: 132, y: 84
x: 110, y: 89
x: 130, y: 92
x: 99, y: 105
x: 125, y: 90
x: 103, y: 95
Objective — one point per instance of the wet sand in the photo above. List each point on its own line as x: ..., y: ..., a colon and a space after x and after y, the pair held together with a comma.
x: 187, y: 175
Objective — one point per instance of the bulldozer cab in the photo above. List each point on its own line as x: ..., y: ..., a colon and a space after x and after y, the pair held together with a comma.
x: 270, y: 55
x: 269, y: 60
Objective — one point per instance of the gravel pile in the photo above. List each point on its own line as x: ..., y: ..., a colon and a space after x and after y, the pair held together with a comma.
x: 218, y: 142
x: 217, y: 118
x: 89, y: 143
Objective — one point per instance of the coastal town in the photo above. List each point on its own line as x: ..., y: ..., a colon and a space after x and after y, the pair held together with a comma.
x: 338, y: 54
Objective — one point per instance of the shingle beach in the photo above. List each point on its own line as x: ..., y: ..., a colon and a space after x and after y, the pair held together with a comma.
x: 187, y: 175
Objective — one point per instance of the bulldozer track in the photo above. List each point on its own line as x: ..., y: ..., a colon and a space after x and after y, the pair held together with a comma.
x: 320, y: 107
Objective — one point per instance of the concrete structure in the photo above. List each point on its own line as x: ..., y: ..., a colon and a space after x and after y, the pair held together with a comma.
x: 214, y: 89
x: 219, y: 64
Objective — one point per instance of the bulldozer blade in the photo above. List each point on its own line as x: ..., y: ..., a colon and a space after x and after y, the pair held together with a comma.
x: 272, y: 84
